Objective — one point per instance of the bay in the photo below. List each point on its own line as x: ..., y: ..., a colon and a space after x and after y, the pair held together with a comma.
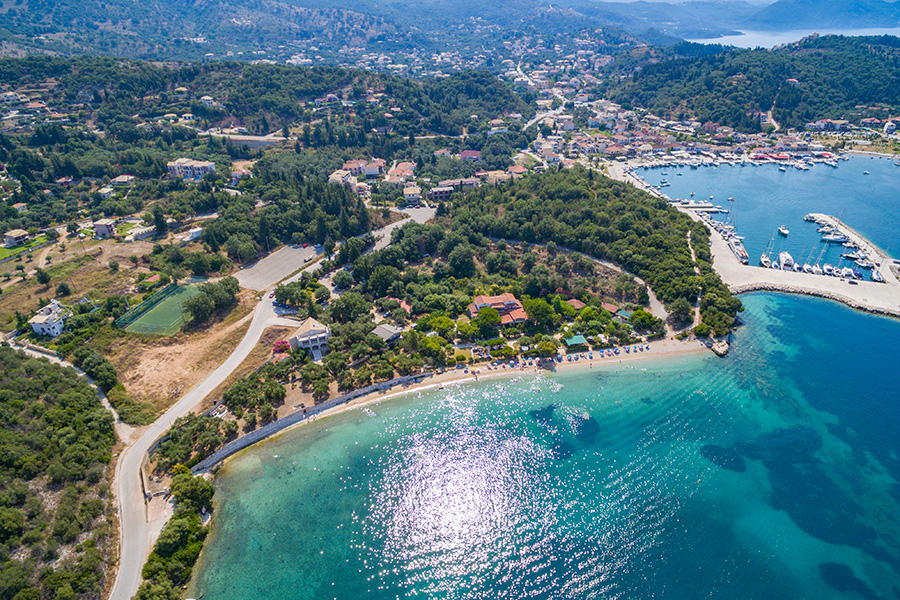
x: 770, y: 39
x: 771, y: 474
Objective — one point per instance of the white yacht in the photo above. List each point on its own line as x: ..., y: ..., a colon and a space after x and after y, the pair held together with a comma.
x: 786, y: 260
x: 783, y: 230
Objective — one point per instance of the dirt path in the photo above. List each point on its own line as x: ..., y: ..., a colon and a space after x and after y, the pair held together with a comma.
x: 697, y: 271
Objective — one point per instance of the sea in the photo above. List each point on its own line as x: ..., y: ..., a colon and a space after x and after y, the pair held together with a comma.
x: 772, y: 473
x: 861, y: 191
x: 769, y: 39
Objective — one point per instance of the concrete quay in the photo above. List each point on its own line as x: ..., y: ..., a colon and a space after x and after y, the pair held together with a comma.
x: 880, y: 298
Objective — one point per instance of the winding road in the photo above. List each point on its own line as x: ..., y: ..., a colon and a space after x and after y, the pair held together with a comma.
x: 136, y: 534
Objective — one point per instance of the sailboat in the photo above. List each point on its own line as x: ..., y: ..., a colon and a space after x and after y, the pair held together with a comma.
x: 765, y: 259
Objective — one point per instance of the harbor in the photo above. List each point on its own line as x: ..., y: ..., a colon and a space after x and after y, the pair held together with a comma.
x: 846, y: 281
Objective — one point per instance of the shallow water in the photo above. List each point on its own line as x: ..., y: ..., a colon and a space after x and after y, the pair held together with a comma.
x: 770, y: 474
x: 766, y: 198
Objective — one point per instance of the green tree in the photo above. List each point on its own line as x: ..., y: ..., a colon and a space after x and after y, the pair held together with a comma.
x: 191, y: 493
x: 42, y: 276
x: 486, y: 320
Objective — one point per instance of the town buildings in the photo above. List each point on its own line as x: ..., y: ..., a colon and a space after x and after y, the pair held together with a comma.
x: 509, y: 307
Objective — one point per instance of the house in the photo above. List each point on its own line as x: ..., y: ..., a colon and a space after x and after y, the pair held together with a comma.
x: 141, y: 233
x: 20, y: 206
x: 509, y: 307
x: 608, y: 306
x: 342, y: 177
x: 15, y: 237
x: 388, y: 333
x: 575, y: 303
x: 188, y: 168
x: 311, y: 336
x: 105, y: 227
x: 412, y: 194
x: 106, y: 192
x: 443, y: 152
x: 187, y: 117
x: 470, y: 155
x: 50, y: 320
x: 356, y: 167
x: 65, y: 181
x: 239, y: 174
x: 207, y: 101
x: 375, y: 168
x: 122, y: 181
x: 440, y: 193
x: 889, y: 127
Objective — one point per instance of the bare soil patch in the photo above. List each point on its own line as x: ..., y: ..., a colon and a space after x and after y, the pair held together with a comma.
x: 158, y: 370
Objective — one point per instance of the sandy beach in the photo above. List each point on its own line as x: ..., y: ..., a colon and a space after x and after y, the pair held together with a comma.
x: 459, y: 377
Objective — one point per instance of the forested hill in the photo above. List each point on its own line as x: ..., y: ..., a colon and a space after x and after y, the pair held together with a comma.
x: 837, y: 77
x: 587, y: 212
x: 261, y: 97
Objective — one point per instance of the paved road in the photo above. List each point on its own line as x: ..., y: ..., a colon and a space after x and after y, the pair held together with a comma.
x: 275, y: 267
x: 136, y: 534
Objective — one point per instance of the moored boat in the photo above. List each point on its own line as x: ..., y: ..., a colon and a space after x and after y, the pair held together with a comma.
x: 786, y: 260
x: 765, y: 261
x: 783, y: 230
x: 835, y: 238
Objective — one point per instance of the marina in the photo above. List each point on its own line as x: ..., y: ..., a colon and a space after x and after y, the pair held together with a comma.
x: 866, y: 278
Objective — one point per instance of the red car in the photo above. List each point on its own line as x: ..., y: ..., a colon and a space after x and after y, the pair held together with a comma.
x: 271, y: 294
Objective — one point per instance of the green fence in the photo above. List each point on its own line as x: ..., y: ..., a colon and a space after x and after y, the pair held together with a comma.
x: 138, y: 311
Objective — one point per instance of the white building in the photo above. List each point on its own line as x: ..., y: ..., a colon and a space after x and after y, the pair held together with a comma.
x: 15, y: 237
x: 105, y: 227
x: 412, y: 194
x: 890, y: 127
x: 188, y: 168
x: 312, y: 336
x: 50, y: 320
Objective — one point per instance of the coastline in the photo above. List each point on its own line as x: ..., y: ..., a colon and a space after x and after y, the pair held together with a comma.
x: 660, y: 349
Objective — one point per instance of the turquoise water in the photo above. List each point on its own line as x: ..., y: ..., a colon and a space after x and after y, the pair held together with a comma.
x: 766, y: 198
x: 770, y: 474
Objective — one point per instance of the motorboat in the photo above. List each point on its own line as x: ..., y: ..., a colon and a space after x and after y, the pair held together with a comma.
x: 828, y: 269
x: 817, y: 270
x: 809, y: 217
x: 786, y: 260
x: 783, y: 230
x: 877, y: 277
x: 835, y: 238
x: 865, y: 263
x: 765, y: 261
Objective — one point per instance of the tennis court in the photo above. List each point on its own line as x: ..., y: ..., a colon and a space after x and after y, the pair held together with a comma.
x: 166, y: 317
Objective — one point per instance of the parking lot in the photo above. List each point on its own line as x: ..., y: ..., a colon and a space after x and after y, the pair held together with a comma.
x: 275, y: 267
